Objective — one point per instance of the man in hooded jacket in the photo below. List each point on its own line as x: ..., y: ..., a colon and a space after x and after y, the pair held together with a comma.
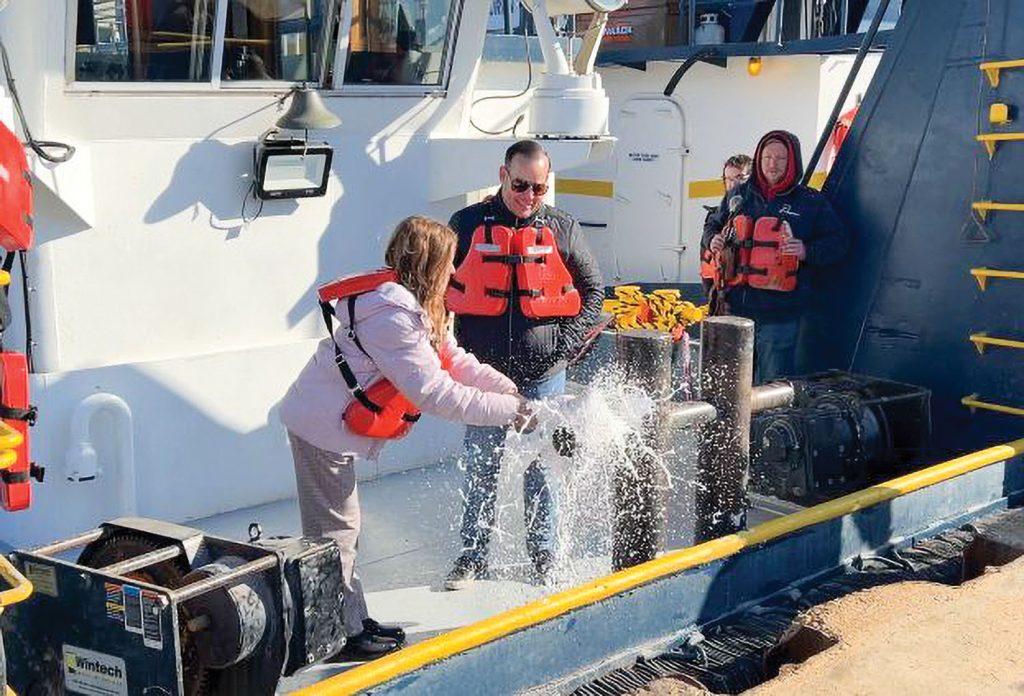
x: 816, y: 238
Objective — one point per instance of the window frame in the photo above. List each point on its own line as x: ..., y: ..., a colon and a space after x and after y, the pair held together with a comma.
x: 217, y: 85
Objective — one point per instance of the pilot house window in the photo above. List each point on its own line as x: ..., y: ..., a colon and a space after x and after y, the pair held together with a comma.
x: 144, y: 40
x: 218, y: 42
x: 398, y: 42
x: 279, y: 39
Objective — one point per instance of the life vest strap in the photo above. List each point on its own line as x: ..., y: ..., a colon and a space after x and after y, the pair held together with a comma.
x: 461, y: 287
x: 495, y: 292
x: 8, y: 476
x: 23, y: 414
x: 339, y: 358
x: 751, y: 270
x: 352, y: 324
x: 514, y: 259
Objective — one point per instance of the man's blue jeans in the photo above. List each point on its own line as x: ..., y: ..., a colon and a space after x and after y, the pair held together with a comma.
x: 483, y: 462
x: 774, y: 349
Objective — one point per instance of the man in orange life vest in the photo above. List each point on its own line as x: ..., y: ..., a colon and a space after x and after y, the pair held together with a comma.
x: 526, y: 291
x: 777, y: 229
x: 735, y: 171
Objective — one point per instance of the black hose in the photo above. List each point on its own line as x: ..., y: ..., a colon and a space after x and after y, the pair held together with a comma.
x: 865, y: 45
x: 28, y: 315
x: 40, y: 147
x: 684, y: 68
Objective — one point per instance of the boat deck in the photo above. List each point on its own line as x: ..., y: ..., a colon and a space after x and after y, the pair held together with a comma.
x: 409, y: 539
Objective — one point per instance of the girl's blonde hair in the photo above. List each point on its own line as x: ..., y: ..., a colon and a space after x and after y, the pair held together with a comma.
x: 421, y: 251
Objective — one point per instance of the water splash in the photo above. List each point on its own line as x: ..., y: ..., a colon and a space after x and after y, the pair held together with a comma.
x: 607, y: 420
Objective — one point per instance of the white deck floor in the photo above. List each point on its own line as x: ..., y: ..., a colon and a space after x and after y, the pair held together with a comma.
x: 409, y: 539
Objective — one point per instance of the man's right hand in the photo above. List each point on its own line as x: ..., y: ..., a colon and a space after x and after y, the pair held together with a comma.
x: 717, y: 242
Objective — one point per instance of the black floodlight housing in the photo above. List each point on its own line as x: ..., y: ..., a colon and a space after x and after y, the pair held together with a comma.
x: 295, y: 168
x: 292, y: 169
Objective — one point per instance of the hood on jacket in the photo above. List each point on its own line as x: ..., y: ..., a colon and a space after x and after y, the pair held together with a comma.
x: 794, y: 169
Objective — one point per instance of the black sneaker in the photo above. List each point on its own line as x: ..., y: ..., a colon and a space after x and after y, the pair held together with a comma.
x: 465, y: 572
x: 367, y: 646
x: 395, y: 633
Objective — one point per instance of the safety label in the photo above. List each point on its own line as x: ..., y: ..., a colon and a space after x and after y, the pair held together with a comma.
x: 152, y: 637
x: 94, y: 673
x: 43, y: 578
x: 644, y: 156
x: 132, y: 609
x: 115, y: 601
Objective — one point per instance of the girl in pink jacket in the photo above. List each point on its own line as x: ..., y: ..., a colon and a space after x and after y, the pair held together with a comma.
x: 402, y: 327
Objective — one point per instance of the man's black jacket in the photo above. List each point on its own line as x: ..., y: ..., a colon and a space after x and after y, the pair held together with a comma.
x: 530, y: 349
x: 812, y: 220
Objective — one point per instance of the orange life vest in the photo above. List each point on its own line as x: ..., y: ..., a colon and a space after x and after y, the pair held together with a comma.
x: 380, y: 411
x: 756, y: 259
x: 729, y: 269
x: 15, y: 484
x: 484, y: 282
x: 15, y: 193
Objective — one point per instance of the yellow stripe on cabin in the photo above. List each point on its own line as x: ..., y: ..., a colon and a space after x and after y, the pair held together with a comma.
x: 585, y: 187
x: 707, y: 188
x: 715, y: 188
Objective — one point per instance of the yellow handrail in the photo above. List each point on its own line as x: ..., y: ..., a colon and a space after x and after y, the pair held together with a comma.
x: 974, y: 403
x: 983, y: 274
x: 21, y: 588
x: 474, y: 635
x: 982, y: 339
x: 991, y: 140
x: 992, y: 69
x: 983, y: 207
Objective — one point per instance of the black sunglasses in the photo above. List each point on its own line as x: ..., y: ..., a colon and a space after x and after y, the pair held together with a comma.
x: 520, y: 186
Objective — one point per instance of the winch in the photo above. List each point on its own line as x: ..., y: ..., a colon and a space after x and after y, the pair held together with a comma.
x: 154, y: 607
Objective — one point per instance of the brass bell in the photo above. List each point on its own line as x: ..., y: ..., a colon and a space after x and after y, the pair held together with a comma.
x: 307, y: 112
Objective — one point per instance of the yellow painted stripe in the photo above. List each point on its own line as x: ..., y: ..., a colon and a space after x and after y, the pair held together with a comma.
x: 715, y: 188
x: 21, y: 588
x: 585, y: 187
x: 474, y: 635
x: 707, y: 188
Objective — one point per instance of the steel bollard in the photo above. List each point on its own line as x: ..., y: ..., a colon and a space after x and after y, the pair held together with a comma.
x: 727, y: 370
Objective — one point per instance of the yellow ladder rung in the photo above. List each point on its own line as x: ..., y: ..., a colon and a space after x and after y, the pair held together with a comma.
x: 992, y: 69
x: 982, y: 339
x: 991, y: 140
x: 972, y: 402
x: 983, y: 274
x: 983, y: 207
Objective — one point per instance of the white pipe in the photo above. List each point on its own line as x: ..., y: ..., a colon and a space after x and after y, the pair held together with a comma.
x: 81, y: 460
x: 554, y: 56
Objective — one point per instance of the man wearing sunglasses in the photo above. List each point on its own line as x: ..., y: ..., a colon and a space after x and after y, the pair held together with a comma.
x: 526, y: 292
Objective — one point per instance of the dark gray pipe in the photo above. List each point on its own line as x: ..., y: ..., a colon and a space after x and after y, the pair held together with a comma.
x: 675, y: 416
x: 638, y: 531
x: 727, y: 369
x: 769, y: 396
